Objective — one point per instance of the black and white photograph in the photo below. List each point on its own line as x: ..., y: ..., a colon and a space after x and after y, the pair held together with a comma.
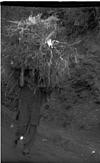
x: 50, y: 82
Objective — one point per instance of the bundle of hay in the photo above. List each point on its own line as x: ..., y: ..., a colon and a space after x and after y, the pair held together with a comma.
x: 32, y: 53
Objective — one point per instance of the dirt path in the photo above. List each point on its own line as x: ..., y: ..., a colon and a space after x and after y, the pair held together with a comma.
x: 52, y: 145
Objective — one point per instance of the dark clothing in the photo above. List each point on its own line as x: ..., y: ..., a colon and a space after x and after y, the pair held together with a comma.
x: 29, y: 111
x: 29, y: 106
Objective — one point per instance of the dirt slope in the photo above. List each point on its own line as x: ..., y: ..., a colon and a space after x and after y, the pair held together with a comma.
x: 53, y: 144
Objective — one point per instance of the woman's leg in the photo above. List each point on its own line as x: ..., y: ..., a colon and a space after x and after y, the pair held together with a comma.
x: 20, y: 131
x: 22, y: 123
x: 30, y: 138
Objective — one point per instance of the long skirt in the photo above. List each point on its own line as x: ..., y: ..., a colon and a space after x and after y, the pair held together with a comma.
x: 29, y: 114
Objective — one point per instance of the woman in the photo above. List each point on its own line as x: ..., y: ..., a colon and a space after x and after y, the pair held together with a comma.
x: 30, y: 103
x: 29, y: 116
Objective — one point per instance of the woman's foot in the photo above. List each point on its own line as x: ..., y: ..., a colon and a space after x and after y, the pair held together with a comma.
x: 18, y: 144
x: 26, y: 152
